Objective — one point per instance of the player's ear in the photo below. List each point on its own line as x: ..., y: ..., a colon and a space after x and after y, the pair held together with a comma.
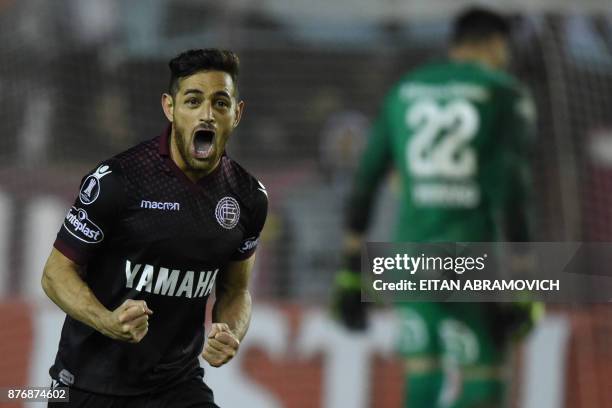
x: 168, y: 106
x: 238, y: 113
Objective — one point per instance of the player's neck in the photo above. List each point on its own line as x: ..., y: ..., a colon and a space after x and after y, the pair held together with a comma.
x: 476, y: 55
x: 177, y: 158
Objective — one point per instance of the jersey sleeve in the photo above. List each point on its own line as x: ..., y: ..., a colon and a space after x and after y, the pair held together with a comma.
x: 96, y: 208
x: 373, y: 165
x: 518, y: 133
x: 248, y: 246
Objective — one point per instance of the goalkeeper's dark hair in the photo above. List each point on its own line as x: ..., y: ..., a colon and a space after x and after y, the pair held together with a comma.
x: 209, y: 59
x: 478, y: 24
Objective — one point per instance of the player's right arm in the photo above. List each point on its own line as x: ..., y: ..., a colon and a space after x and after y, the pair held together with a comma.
x: 62, y: 282
x: 86, y: 227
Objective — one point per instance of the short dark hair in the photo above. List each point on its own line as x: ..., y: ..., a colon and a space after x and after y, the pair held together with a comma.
x: 477, y: 24
x: 209, y: 59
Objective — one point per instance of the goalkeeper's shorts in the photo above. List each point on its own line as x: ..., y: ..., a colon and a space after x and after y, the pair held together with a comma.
x: 457, y: 332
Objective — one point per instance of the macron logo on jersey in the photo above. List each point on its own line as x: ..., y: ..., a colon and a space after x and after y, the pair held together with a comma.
x: 165, y: 281
x: 160, y: 205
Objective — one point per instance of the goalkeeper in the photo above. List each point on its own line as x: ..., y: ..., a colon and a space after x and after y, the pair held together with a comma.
x: 457, y: 132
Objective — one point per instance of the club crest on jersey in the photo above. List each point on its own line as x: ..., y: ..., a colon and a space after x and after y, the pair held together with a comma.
x: 78, y: 224
x: 90, y: 190
x: 227, y: 212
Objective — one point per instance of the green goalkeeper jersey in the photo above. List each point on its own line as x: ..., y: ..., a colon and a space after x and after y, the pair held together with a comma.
x: 458, y: 135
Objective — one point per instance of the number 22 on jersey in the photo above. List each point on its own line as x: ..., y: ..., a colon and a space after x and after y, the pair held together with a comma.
x: 441, y: 133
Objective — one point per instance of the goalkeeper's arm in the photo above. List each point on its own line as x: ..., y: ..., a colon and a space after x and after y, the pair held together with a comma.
x: 512, y: 321
x: 346, y: 302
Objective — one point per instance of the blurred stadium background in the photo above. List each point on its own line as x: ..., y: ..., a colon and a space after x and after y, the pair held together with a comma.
x: 81, y: 79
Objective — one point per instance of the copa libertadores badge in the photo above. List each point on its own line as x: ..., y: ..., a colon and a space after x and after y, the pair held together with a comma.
x: 91, y: 187
x: 227, y: 212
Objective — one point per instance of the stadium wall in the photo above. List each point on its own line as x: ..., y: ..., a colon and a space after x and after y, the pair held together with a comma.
x: 296, y: 357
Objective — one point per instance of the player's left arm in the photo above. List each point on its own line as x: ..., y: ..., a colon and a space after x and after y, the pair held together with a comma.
x: 233, y: 299
x: 231, y: 313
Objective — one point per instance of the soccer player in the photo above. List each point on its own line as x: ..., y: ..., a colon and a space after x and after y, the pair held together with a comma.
x: 150, y: 232
x: 457, y: 131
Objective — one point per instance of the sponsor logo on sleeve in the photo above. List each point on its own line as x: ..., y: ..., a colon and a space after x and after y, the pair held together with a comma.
x: 90, y: 190
x: 248, y: 244
x: 227, y: 212
x: 78, y: 224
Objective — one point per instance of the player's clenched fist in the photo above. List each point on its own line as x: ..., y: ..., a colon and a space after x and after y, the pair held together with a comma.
x: 221, y: 346
x: 129, y: 322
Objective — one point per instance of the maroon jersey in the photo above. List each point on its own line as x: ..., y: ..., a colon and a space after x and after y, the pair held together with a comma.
x: 143, y: 230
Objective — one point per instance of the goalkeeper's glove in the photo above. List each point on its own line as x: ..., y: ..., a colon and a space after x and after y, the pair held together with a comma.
x: 346, y: 301
x: 513, y: 321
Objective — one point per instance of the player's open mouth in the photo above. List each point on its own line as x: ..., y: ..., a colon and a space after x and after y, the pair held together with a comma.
x: 203, y: 143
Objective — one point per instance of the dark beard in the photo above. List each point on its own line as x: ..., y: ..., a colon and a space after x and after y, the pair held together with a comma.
x: 182, y: 148
x: 184, y: 151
